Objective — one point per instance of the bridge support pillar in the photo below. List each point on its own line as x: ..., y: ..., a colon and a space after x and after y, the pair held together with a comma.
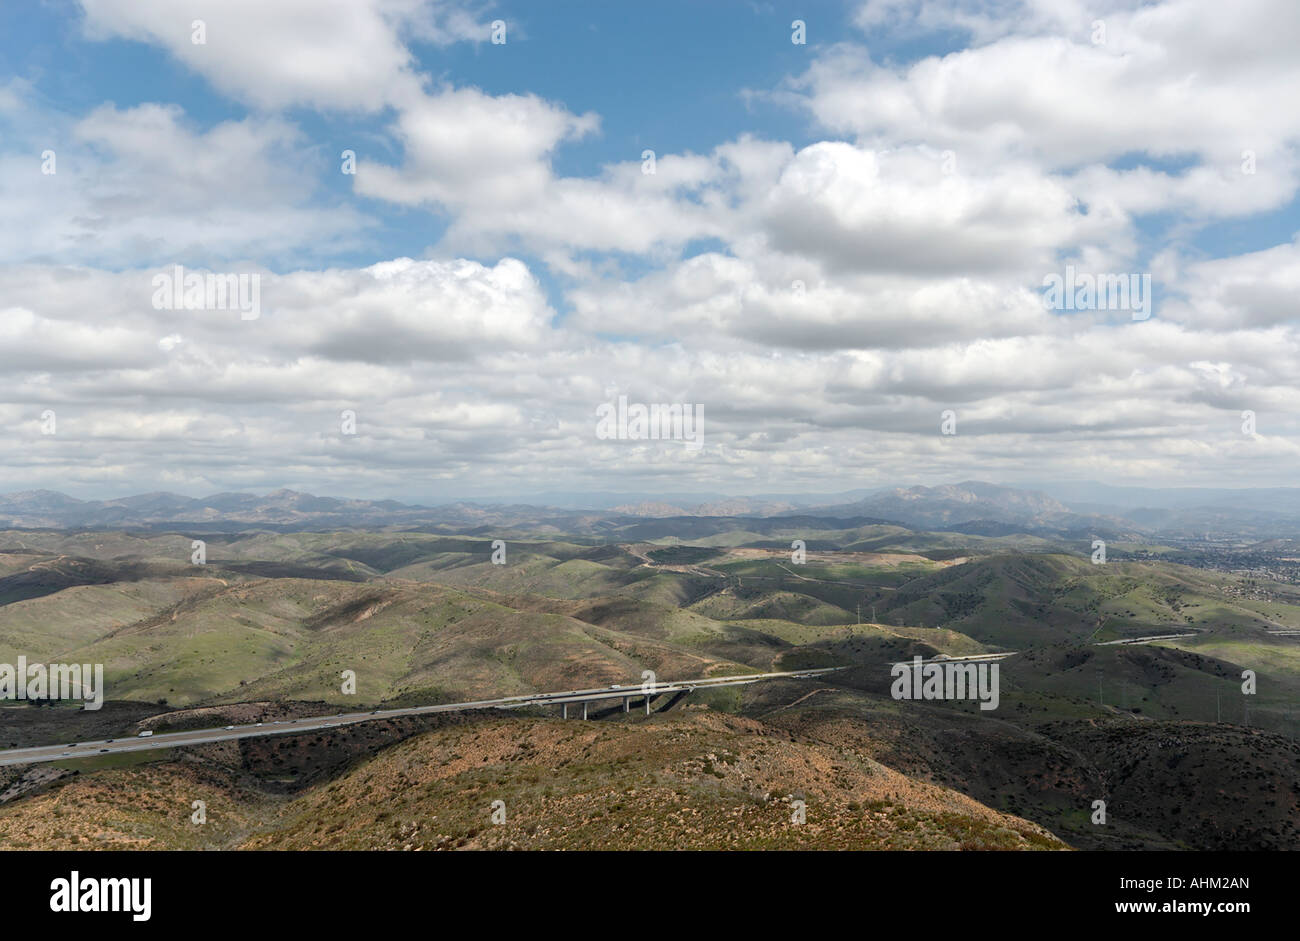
x: 647, y: 705
x: 564, y: 710
x: 626, y: 703
x: 584, y: 710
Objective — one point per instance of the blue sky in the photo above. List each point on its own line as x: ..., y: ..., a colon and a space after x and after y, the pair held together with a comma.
x: 727, y: 60
x: 840, y: 241
x: 573, y: 52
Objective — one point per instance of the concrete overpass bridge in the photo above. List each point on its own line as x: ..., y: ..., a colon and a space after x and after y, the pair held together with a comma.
x: 649, y: 691
x: 564, y: 698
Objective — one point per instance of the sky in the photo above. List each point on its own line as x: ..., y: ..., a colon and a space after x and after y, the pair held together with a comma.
x: 828, y: 229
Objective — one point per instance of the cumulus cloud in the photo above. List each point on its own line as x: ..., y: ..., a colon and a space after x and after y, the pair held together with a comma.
x: 145, y: 184
x: 1255, y: 290
x: 347, y: 55
x: 897, y: 212
x: 1183, y: 78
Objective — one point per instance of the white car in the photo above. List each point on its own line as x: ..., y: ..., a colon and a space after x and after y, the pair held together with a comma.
x: 230, y: 728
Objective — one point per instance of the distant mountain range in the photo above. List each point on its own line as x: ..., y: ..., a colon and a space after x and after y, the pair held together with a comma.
x: 972, y: 507
x: 48, y: 508
x: 985, y: 509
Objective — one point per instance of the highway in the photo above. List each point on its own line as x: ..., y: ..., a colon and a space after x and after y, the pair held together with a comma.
x: 1125, y: 641
x: 33, y: 755
x: 969, y: 658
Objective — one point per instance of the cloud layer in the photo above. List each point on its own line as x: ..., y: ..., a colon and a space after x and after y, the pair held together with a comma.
x: 825, y: 300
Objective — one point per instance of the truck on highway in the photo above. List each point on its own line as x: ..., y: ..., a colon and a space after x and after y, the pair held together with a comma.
x: 146, y: 733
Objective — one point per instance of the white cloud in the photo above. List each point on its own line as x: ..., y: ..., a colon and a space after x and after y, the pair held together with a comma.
x: 142, y: 184
x: 1183, y: 78
x: 1256, y: 290
x: 466, y: 149
x: 345, y: 55
x: 856, y: 210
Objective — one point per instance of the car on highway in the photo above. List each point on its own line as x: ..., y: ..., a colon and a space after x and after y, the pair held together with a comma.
x: 64, y: 754
x: 102, y: 750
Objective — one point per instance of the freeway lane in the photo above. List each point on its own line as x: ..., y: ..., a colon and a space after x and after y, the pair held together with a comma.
x: 33, y: 755
x: 970, y: 658
x: 1124, y: 641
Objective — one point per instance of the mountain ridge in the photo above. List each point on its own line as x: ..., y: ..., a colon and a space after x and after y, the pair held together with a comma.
x: 973, y: 507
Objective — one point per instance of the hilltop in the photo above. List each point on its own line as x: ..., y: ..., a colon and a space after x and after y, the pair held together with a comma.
x: 694, y: 781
